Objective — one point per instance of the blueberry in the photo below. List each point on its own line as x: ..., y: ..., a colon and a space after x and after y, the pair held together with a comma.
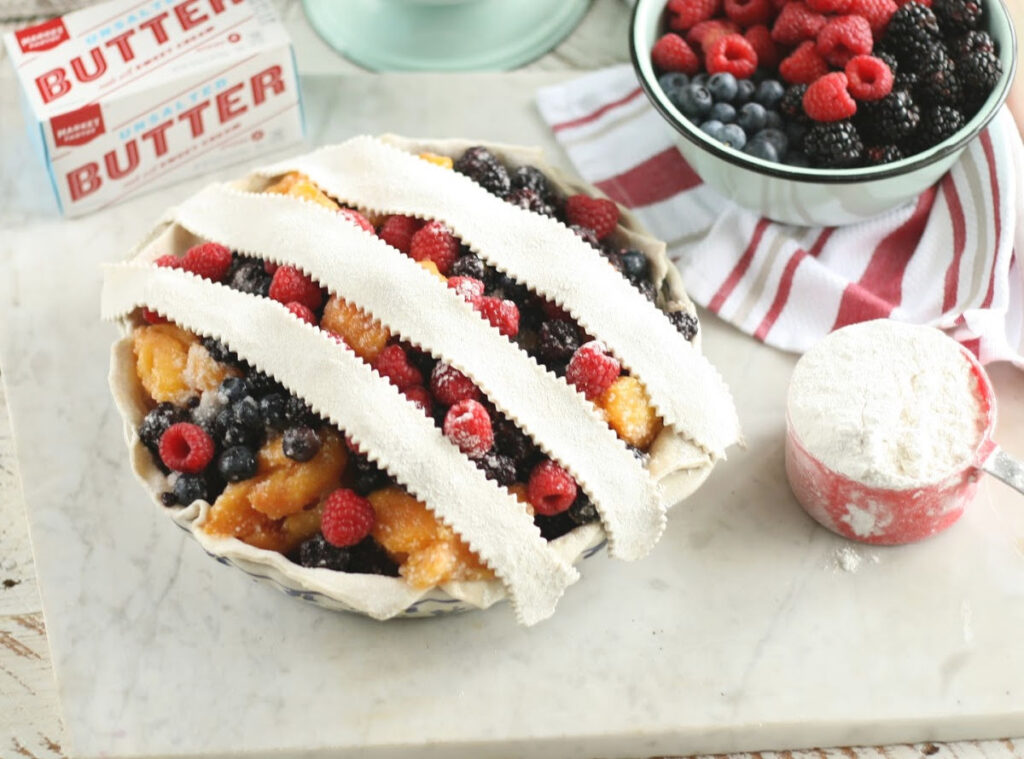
x: 772, y: 120
x: 237, y: 463
x: 762, y: 149
x: 744, y: 91
x: 723, y: 112
x: 190, y: 487
x: 694, y: 101
x: 769, y: 93
x: 236, y: 434
x: 796, y: 158
x: 233, y: 389
x: 712, y: 129
x: 733, y: 136
x: 246, y: 413
x: 300, y: 443
x: 722, y: 86
x: 272, y: 410
x: 635, y: 264
x: 752, y: 117
x: 700, y: 80
x: 775, y: 138
x: 795, y: 132
x: 672, y: 82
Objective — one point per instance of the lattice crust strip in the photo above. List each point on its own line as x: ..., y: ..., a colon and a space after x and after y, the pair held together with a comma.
x: 340, y: 387
x: 417, y: 306
x: 549, y: 257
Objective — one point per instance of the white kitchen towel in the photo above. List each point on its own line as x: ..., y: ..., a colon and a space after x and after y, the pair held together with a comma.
x: 947, y: 259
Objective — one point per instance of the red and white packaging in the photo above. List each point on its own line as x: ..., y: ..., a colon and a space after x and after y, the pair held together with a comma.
x: 126, y: 96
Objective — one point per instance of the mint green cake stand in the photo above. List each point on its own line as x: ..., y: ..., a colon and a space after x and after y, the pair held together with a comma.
x: 443, y: 35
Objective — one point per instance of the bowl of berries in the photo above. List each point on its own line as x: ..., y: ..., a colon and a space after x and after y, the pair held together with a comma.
x: 823, y: 112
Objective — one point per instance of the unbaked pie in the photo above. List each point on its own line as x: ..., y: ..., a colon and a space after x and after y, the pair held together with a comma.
x: 399, y: 376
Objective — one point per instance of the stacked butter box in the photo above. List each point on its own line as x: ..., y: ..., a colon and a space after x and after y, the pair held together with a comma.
x: 126, y: 96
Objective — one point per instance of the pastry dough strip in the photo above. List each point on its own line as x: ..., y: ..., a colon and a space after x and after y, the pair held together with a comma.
x: 420, y: 308
x: 547, y: 256
x: 339, y: 386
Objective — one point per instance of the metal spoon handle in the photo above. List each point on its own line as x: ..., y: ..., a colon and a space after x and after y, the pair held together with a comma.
x: 1003, y: 466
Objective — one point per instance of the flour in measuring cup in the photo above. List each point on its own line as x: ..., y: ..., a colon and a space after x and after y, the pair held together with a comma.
x: 888, y: 404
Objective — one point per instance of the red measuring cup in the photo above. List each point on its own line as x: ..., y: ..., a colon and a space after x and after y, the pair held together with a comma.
x: 884, y: 516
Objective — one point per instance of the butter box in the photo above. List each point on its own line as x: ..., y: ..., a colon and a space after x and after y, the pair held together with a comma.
x: 126, y: 96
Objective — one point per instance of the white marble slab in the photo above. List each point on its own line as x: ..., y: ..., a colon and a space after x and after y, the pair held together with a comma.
x: 749, y: 627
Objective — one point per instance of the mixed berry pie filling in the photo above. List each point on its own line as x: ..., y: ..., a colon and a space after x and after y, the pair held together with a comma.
x: 827, y: 83
x: 281, y: 478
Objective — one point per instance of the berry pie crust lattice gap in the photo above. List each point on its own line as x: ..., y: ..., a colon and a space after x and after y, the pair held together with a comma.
x: 406, y: 377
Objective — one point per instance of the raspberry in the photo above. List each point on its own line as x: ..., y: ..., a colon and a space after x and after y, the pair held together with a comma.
x: 301, y: 311
x: 289, y: 284
x: 420, y: 396
x: 760, y: 38
x: 592, y: 370
x: 844, y: 37
x: 685, y: 14
x: 597, y: 214
x: 435, y: 242
x: 797, y: 23
x: 186, y: 447
x: 804, y: 65
x: 828, y: 100
x: 749, y: 12
x: 209, y: 260
x: 168, y: 262
x: 706, y: 33
x: 470, y: 288
x: 270, y: 267
x: 397, y: 231
x: 829, y: 6
x: 731, y: 54
x: 876, y: 12
x: 503, y: 314
x: 347, y: 518
x: 671, y: 53
x: 868, y: 78
x: 358, y: 219
x: 152, y: 317
x: 394, y: 364
x: 551, y: 490
x: 450, y: 386
x: 468, y: 425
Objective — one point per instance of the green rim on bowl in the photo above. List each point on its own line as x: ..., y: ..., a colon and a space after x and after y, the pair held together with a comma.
x: 646, y: 25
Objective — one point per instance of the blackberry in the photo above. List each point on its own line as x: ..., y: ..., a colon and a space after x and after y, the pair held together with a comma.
x: 368, y: 557
x: 588, y: 235
x: 685, y: 322
x: 974, y: 41
x: 300, y: 443
x: 937, y: 82
x: 219, y: 352
x: 792, y: 104
x: 248, y: 276
x: 422, y: 360
x: 957, y: 15
x: 469, y: 265
x: 236, y: 464
x: 367, y: 475
x: 512, y: 442
x: 233, y: 389
x: 582, y: 510
x: 554, y: 526
x: 905, y: 80
x: 263, y: 384
x: 501, y: 469
x: 232, y: 435
x: 156, y: 422
x: 531, y: 178
x: 297, y: 412
x: 506, y: 287
x: 646, y: 288
x: 876, y: 155
x: 483, y: 167
x: 833, y: 145
x: 167, y: 498
x: 889, y: 60
x: 634, y: 265
x: 912, y: 32
x: 531, y: 201
x: 317, y: 552
x: 558, y: 341
x: 890, y: 119
x: 272, y: 408
x: 979, y: 71
x: 189, y: 488
x: 938, y: 123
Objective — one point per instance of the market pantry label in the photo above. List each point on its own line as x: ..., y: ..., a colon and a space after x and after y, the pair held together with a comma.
x: 125, y: 97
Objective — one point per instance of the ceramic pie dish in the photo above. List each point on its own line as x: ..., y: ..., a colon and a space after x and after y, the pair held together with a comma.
x: 589, y: 408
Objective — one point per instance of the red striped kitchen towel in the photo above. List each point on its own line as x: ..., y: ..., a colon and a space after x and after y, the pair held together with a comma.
x: 947, y: 259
